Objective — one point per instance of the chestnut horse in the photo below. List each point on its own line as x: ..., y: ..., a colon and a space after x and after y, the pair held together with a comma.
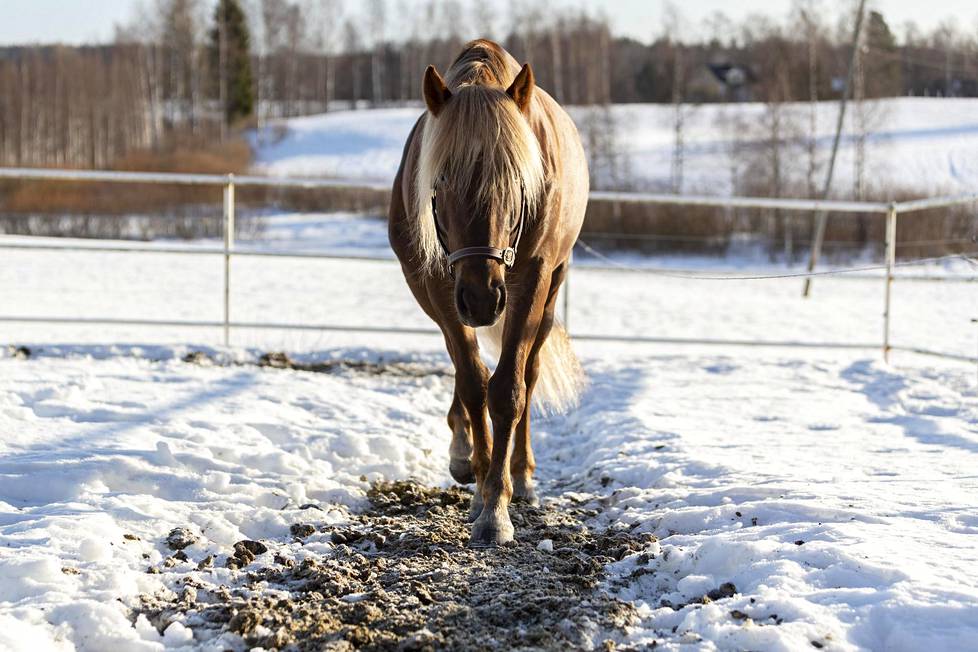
x: 486, y: 207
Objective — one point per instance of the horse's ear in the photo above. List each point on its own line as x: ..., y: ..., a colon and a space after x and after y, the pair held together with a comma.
x: 436, y: 93
x: 521, y: 90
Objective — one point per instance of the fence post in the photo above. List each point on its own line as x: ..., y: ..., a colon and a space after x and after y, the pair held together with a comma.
x: 228, y: 246
x: 891, y: 234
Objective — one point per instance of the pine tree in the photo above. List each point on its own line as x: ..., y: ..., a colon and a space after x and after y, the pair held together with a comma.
x: 884, y: 75
x: 230, y: 56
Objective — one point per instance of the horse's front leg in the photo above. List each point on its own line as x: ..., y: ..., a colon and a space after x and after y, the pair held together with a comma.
x: 507, y: 398
x: 523, y: 463
x: 469, y: 450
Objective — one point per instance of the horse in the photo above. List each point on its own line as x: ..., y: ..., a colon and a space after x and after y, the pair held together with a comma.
x: 486, y: 206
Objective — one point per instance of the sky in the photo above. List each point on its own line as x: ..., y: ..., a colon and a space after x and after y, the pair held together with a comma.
x: 86, y: 21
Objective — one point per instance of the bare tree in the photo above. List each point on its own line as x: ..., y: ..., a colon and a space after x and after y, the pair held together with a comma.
x: 377, y: 22
x: 778, y: 125
x: 274, y: 16
x: 410, y: 62
x: 331, y: 12
x: 181, y: 30
x: 859, y: 115
x: 295, y: 35
x: 557, y: 58
x: 673, y: 25
x: 525, y: 14
x: 808, y: 19
x: 257, y: 27
x: 946, y: 36
x: 323, y: 16
x: 451, y: 28
x: 484, y: 18
x: 351, y: 43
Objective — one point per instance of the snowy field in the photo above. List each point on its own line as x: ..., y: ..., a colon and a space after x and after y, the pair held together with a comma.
x: 837, y: 493
x: 921, y: 145
x: 602, y: 301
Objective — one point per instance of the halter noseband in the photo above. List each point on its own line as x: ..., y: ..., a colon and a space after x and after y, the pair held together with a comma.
x: 505, y: 256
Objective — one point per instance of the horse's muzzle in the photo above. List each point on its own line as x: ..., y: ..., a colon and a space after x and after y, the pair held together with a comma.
x: 480, y: 305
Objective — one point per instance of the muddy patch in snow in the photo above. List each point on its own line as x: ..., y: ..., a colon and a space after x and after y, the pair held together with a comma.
x: 280, y: 360
x: 399, y: 576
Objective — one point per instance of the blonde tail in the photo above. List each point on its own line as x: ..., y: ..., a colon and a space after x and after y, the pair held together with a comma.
x: 561, y: 379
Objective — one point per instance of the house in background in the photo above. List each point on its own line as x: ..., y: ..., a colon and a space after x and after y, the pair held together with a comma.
x: 721, y: 82
x: 735, y: 81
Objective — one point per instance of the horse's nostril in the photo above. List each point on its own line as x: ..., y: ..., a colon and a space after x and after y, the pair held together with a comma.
x: 500, y: 298
x: 460, y: 302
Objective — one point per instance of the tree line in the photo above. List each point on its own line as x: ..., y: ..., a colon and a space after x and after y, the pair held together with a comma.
x: 187, y: 70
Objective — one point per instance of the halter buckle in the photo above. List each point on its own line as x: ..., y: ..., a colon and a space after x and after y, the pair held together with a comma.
x: 509, y: 256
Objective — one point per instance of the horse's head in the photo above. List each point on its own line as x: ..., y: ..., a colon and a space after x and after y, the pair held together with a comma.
x: 480, y: 176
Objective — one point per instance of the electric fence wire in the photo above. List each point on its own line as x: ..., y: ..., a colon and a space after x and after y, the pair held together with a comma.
x: 969, y: 257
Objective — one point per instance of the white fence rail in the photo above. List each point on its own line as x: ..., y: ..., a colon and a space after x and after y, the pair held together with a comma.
x: 888, y: 211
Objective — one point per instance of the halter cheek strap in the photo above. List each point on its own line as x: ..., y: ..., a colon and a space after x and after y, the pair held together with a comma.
x: 505, y: 256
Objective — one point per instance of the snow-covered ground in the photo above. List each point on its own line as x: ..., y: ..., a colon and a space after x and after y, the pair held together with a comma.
x: 919, y: 145
x: 837, y: 494
x: 730, y: 456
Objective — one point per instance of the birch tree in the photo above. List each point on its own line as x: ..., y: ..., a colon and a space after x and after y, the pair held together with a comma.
x: 377, y: 22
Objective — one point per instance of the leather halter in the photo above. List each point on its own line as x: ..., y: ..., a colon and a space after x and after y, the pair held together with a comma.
x: 505, y: 256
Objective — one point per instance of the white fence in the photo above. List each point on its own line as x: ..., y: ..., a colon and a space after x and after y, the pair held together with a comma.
x: 888, y: 211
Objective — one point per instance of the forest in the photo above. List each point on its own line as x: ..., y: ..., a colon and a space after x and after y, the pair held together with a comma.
x: 182, y: 74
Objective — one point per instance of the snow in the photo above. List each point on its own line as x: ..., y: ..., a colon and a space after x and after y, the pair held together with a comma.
x: 95, y: 449
x: 917, y: 145
x: 837, y: 493
x: 348, y: 144
x: 870, y: 466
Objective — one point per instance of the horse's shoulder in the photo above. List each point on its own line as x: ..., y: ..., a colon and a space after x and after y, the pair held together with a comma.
x: 403, y: 189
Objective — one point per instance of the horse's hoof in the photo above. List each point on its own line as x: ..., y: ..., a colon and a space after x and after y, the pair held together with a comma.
x: 529, y: 498
x: 489, y: 533
x: 461, y: 470
x: 525, y: 494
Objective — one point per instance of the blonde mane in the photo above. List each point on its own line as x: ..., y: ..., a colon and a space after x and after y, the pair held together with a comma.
x: 480, y: 128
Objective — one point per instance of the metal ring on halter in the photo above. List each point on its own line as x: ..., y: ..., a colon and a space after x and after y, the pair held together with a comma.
x: 505, y: 256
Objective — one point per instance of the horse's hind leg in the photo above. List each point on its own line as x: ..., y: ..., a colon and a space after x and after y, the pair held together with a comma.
x: 460, y: 451
x: 522, y: 463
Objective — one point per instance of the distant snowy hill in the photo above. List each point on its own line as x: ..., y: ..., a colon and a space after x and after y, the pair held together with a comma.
x: 919, y: 145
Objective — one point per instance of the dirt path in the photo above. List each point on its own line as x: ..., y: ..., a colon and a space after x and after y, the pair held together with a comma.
x: 399, y: 577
